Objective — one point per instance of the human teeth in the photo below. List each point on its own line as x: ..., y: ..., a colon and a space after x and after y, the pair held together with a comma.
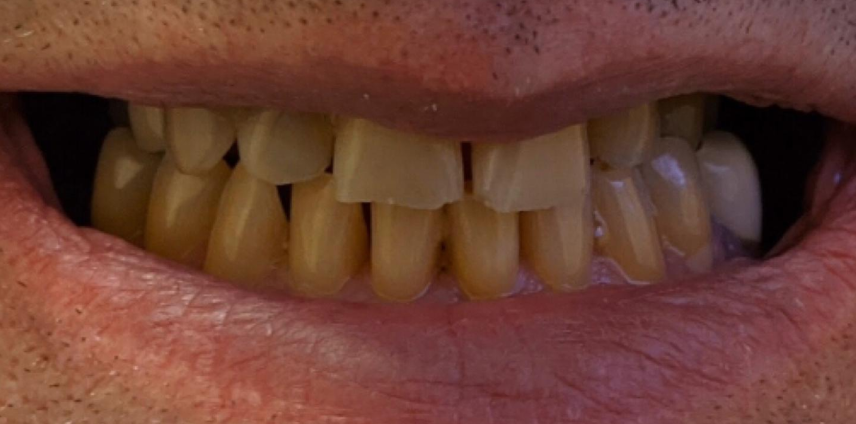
x: 628, y: 235
x: 557, y: 244
x: 731, y: 182
x: 198, y: 138
x: 181, y: 212
x: 624, y: 140
x: 683, y: 116
x: 405, y: 249
x: 539, y: 173
x: 284, y: 148
x: 374, y: 164
x: 123, y: 183
x: 247, y: 238
x: 484, y: 249
x: 147, y: 124
x: 328, y: 241
x: 674, y: 183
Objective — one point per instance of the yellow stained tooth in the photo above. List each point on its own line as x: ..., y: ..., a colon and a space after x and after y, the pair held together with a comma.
x: 198, y: 138
x: 624, y: 140
x: 148, y: 124
x: 539, y: 173
x: 284, y: 148
x: 484, y: 249
x: 247, y: 239
x: 629, y: 235
x: 557, y: 243
x: 674, y: 183
x: 684, y: 117
x: 374, y: 164
x: 731, y: 184
x: 182, y: 209
x: 123, y: 184
x: 405, y: 250
x: 329, y: 239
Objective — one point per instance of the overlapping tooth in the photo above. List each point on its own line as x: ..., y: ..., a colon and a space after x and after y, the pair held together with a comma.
x: 328, y: 239
x: 484, y: 249
x: 283, y: 147
x: 381, y: 165
x: 628, y: 233
x: 148, y: 124
x: 731, y: 182
x: 247, y: 239
x: 674, y: 183
x: 123, y: 183
x: 198, y: 138
x: 539, y: 173
x: 684, y: 117
x: 181, y: 211
x: 557, y: 243
x: 624, y: 140
x: 405, y: 250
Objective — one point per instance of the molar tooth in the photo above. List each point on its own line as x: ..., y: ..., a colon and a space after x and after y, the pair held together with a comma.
x: 731, y: 182
x: 539, y: 173
x: 629, y: 236
x: 329, y: 239
x: 684, y: 117
x: 148, y: 124
x: 284, y: 148
x: 198, y: 138
x: 181, y: 212
x: 558, y: 244
x: 123, y: 184
x: 405, y: 250
x: 381, y: 165
x: 247, y: 237
x: 624, y: 140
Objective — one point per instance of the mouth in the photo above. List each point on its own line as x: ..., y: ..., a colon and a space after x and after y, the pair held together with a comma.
x: 467, y: 328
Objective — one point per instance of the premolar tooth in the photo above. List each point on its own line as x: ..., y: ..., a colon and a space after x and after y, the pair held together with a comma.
x: 674, y: 183
x: 328, y: 241
x: 381, y: 165
x: 731, y: 183
x: 484, y: 249
x: 684, y: 117
x: 628, y: 233
x: 624, y: 140
x: 198, y: 138
x: 123, y: 184
x: 405, y: 249
x: 284, y: 148
x: 148, y: 125
x: 247, y: 239
x: 540, y: 173
x: 558, y: 243
x: 181, y: 212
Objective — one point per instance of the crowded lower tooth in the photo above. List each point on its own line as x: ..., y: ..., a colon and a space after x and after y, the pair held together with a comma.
x: 328, y: 240
x: 374, y: 164
x: 627, y: 233
x: 405, y: 249
x: 624, y: 140
x: 540, y: 173
x: 247, y: 239
x: 557, y: 244
x: 684, y: 117
x: 181, y: 211
x: 123, y: 184
x: 731, y: 183
x: 148, y: 125
x: 198, y: 138
x: 283, y: 147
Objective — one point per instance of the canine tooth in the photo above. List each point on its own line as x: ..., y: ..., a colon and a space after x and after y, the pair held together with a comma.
x: 147, y: 124
x: 731, y: 182
x: 674, y: 183
x: 123, y: 184
x: 684, y: 117
x: 248, y: 234
x: 484, y: 249
x: 284, y: 148
x: 329, y: 239
x: 628, y: 233
x: 624, y: 140
x: 381, y: 165
x: 539, y: 173
x: 198, y: 138
x: 181, y: 212
x: 405, y: 250
x: 557, y: 243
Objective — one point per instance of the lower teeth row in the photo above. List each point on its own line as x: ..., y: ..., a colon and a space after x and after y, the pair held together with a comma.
x: 547, y: 202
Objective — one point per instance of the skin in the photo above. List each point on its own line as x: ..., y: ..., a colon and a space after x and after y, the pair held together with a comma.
x: 101, y: 332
